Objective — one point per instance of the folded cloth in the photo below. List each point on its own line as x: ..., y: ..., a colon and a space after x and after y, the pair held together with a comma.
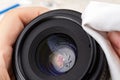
x: 98, y: 19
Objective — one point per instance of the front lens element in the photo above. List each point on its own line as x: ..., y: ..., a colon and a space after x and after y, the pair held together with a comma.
x: 63, y: 59
x: 57, y: 54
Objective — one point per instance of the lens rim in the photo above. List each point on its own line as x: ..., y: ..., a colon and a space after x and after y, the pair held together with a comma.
x: 59, y: 29
x: 22, y: 43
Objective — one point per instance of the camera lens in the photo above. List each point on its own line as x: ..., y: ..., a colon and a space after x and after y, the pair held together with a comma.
x: 57, y: 54
x: 54, y: 46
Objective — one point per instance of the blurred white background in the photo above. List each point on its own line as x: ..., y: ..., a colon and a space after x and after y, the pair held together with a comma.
x: 53, y: 4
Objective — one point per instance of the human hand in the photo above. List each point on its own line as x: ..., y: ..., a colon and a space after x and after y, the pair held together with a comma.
x: 10, y: 27
x: 114, y: 38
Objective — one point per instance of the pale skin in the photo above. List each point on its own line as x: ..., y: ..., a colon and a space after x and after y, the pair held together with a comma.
x: 10, y: 27
x: 114, y: 38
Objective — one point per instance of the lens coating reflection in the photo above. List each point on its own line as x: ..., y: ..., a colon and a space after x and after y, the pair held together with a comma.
x: 57, y: 54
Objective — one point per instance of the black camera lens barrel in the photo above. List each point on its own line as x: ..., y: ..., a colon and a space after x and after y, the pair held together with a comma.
x: 54, y: 46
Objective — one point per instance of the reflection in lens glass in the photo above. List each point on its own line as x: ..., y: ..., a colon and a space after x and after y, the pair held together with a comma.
x: 57, y: 54
x: 63, y: 59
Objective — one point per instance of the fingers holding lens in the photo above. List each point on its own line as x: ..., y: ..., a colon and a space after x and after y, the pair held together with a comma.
x: 114, y: 38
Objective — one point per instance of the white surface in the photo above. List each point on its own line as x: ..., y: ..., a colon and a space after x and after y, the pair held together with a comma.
x: 68, y: 4
x: 98, y: 19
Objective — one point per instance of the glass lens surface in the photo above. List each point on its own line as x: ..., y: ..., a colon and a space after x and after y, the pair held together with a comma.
x: 57, y: 54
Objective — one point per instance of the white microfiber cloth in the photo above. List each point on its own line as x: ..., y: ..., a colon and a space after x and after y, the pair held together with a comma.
x: 98, y: 19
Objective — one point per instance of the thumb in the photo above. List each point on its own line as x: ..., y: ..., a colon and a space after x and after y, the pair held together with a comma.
x: 114, y: 38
